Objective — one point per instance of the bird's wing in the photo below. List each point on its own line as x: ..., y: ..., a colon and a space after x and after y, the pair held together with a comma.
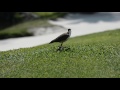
x: 62, y: 37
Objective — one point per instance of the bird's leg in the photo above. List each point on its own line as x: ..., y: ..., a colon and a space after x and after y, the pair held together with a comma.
x: 65, y: 48
x: 60, y: 47
x: 61, y: 44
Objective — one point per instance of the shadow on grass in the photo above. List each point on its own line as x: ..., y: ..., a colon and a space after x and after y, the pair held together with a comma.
x: 62, y: 49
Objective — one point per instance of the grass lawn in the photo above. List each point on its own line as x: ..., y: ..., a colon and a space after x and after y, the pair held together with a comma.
x: 50, y: 15
x: 91, y: 56
x: 21, y: 29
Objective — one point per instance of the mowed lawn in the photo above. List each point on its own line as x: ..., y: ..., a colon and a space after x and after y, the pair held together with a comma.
x: 91, y: 56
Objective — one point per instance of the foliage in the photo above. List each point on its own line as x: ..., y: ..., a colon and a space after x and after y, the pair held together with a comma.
x: 21, y: 29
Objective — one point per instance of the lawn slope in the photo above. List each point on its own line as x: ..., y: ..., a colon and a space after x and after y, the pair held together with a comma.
x: 91, y: 56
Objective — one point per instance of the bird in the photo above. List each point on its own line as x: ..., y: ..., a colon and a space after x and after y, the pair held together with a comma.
x: 62, y: 38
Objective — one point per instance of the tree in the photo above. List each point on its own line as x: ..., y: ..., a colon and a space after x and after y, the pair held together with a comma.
x: 8, y: 18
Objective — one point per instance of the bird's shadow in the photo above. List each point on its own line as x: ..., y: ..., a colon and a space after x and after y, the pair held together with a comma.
x: 63, y: 49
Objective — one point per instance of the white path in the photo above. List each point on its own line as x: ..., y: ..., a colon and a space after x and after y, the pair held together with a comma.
x: 86, y: 24
x: 80, y: 25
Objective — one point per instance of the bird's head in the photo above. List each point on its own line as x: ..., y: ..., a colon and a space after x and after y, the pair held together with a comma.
x: 69, y: 31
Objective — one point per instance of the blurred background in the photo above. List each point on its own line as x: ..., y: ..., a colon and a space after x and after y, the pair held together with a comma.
x: 28, y: 29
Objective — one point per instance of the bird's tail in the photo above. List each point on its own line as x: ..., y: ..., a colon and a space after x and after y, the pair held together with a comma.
x: 51, y: 42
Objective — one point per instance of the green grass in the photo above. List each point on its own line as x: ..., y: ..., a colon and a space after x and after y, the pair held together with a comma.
x: 21, y: 30
x: 91, y: 56
x: 50, y: 15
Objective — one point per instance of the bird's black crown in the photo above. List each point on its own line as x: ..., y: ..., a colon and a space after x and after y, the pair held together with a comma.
x: 69, y: 29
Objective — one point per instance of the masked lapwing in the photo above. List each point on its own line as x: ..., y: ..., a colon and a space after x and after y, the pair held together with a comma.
x: 62, y: 38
